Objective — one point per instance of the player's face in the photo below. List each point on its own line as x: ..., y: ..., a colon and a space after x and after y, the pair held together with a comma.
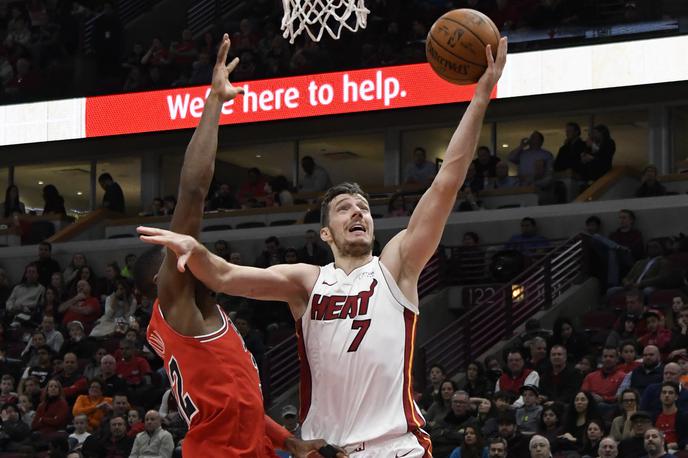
x: 350, y: 227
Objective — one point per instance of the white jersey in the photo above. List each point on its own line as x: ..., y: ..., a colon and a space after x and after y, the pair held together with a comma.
x: 356, y: 344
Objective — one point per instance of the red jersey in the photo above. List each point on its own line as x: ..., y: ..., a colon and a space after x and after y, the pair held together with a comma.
x: 215, y: 382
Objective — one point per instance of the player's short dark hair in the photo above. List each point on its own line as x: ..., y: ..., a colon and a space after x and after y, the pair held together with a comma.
x: 104, y: 176
x: 334, y: 191
x: 145, y: 269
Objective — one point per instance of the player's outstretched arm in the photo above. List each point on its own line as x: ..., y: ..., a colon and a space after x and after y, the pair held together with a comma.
x: 277, y: 283
x: 197, y: 173
x: 407, y: 255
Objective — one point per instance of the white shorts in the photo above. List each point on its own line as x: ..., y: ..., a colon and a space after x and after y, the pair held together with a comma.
x: 411, y: 445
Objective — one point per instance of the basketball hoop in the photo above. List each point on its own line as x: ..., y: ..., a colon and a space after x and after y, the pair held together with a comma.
x: 316, y: 16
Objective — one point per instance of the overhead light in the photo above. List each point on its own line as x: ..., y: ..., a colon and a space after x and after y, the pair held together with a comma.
x: 79, y: 193
x: 505, y: 145
x: 40, y: 182
x: 259, y: 156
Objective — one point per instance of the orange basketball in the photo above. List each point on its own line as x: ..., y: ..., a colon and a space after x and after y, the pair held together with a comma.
x: 455, y: 47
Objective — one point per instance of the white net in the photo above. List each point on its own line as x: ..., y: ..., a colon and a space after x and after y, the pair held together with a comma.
x: 317, y: 16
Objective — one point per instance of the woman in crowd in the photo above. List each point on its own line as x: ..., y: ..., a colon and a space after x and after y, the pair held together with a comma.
x: 72, y: 270
x: 94, y: 405
x: 109, y: 283
x: 442, y: 404
x: 26, y: 410
x: 280, y: 191
x: 119, y: 308
x: 621, y: 425
x: 58, y: 283
x: 563, y: 333
x: 52, y: 414
x: 487, y: 417
x: 12, y: 204
x: 582, y: 410
x: 597, y: 159
x: 85, y: 273
x: 551, y: 428
x: 476, y: 384
x: 625, y: 331
x: 53, y: 201
x: 50, y: 304
x: 473, y: 445
x: 594, y: 433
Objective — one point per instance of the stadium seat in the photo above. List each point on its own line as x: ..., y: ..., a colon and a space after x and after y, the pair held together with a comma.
x: 217, y: 227
x: 250, y: 224
x: 283, y: 222
x: 663, y: 298
x: 121, y: 236
x: 38, y: 231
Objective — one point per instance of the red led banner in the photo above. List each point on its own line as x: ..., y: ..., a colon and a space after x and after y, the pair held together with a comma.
x: 282, y: 98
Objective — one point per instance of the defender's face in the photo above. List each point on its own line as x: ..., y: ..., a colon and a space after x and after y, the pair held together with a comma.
x: 350, y: 225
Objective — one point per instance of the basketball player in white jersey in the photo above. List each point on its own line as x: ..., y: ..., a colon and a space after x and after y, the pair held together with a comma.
x: 356, y: 318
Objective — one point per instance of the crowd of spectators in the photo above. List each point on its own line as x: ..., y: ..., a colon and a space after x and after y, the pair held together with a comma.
x: 76, y: 371
x: 48, y: 37
x: 579, y: 392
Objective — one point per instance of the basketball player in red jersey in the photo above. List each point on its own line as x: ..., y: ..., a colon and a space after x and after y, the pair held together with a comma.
x: 213, y: 377
x: 356, y: 318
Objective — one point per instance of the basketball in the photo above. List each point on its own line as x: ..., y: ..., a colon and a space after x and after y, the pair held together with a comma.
x: 455, y: 47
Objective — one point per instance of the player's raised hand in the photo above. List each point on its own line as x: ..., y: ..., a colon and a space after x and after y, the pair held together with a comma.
x: 495, y: 67
x: 311, y: 449
x: 221, y: 85
x: 181, y: 245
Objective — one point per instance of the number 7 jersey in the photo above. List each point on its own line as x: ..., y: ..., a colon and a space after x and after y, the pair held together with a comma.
x: 215, y: 382
x: 356, y: 343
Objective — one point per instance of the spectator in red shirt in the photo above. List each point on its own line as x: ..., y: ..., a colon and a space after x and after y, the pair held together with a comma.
x: 83, y: 307
x: 672, y: 422
x: 52, y: 414
x: 185, y: 52
x: 604, y: 382
x: 629, y: 360
x: 657, y: 334
x: 135, y: 371
x: 253, y: 188
x: 135, y: 422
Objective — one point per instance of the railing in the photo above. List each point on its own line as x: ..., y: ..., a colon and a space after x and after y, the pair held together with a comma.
x: 281, y: 367
x: 497, y: 316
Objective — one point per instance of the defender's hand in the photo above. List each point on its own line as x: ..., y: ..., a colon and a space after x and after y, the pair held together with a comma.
x: 308, y: 449
x: 182, y: 245
x: 221, y: 85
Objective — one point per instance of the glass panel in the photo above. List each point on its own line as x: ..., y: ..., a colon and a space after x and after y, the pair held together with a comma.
x: 357, y: 158
x: 629, y: 129
x: 679, y: 133
x: 435, y: 142
x: 553, y: 128
x: 70, y: 178
x: 126, y: 171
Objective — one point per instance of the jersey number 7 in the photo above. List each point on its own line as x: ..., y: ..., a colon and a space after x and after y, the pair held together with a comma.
x: 362, y: 327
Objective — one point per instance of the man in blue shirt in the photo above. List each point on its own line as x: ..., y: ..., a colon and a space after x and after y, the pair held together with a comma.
x: 528, y: 242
